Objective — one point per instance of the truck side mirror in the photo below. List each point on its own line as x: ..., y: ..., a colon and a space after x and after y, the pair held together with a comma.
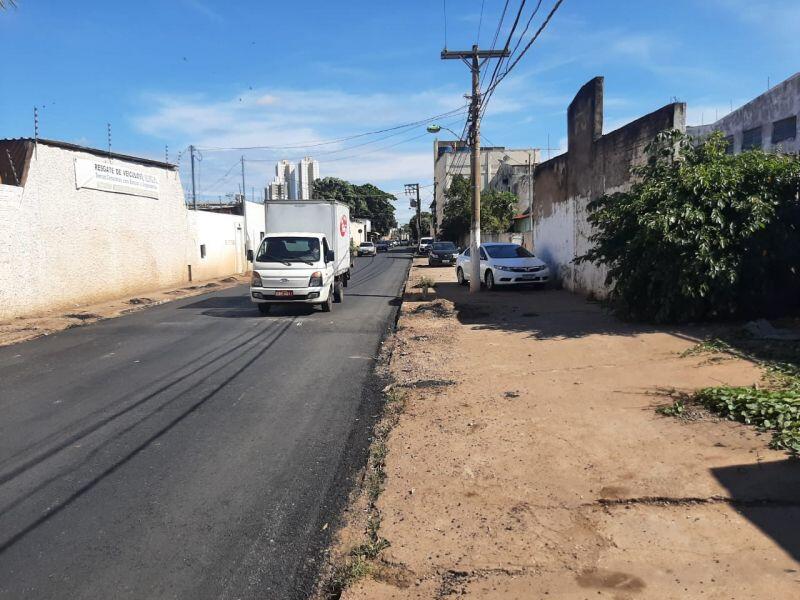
x: 250, y: 255
x: 329, y: 256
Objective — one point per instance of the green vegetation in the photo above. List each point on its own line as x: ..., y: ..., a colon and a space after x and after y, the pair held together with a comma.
x: 497, y: 210
x: 425, y: 220
x: 365, y: 201
x: 774, y: 407
x: 701, y: 234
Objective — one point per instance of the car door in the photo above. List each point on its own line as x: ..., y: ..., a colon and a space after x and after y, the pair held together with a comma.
x: 464, y: 263
x: 329, y: 266
x: 484, y: 262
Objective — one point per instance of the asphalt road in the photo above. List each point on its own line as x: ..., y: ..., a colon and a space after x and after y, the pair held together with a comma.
x: 191, y: 450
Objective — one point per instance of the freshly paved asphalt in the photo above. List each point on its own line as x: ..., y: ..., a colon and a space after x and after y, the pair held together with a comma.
x: 191, y: 450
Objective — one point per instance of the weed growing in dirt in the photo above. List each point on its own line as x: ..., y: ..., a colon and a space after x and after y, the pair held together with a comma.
x: 775, y: 407
x: 777, y: 411
x: 711, y: 345
x: 361, y: 559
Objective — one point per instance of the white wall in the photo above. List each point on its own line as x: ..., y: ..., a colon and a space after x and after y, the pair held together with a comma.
x: 72, y: 245
x: 562, y: 236
x: 61, y: 246
x: 223, y: 238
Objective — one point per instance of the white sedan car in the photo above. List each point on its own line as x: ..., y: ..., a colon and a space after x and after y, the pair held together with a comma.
x: 503, y: 264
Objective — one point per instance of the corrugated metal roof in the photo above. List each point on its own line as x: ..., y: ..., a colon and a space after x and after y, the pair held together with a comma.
x: 95, y: 151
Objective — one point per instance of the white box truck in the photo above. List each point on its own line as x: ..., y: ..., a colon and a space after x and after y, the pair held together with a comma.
x: 305, y: 254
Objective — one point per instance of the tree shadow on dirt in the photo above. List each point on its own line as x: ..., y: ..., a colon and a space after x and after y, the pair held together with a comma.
x: 768, y: 495
x: 545, y: 314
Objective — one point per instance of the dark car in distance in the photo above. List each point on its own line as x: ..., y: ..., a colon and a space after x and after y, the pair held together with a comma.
x: 382, y: 246
x: 442, y: 253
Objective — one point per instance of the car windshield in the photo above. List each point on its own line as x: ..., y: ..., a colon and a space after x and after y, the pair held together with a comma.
x: 366, y: 244
x: 426, y: 240
x: 445, y: 246
x: 287, y: 249
x: 507, y: 251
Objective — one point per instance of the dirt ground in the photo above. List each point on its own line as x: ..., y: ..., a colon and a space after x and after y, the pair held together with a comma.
x: 27, y: 328
x: 530, y: 463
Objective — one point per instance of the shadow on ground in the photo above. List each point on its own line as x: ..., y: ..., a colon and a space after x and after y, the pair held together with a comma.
x: 240, y: 307
x: 768, y: 495
x: 544, y: 313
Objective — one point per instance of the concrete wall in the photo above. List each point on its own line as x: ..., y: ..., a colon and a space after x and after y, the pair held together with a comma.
x: 780, y: 102
x: 70, y: 245
x: 595, y: 164
x: 61, y: 245
x: 221, y: 236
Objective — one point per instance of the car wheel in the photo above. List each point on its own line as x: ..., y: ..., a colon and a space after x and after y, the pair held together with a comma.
x: 489, y: 279
x: 263, y: 308
x: 328, y: 304
x: 338, y: 292
x: 460, y: 277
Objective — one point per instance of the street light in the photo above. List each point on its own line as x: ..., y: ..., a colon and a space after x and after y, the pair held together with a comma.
x: 434, y: 128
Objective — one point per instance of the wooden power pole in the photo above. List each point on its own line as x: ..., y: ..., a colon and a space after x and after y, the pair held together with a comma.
x: 475, y: 59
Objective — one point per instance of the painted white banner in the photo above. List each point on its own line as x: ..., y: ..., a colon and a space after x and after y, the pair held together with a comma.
x: 114, y: 177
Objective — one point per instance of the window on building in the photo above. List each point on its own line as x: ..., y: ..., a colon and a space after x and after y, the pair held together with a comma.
x: 751, y: 139
x: 729, y: 145
x: 202, y: 250
x: 785, y: 129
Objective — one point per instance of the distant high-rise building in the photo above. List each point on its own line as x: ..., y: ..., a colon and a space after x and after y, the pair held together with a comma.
x: 283, y: 186
x: 293, y: 182
x: 307, y: 172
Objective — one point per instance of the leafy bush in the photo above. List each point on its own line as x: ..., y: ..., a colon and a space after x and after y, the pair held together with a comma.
x: 770, y: 410
x: 701, y: 234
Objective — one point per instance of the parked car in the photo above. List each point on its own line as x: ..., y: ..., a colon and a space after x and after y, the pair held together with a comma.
x: 503, y: 264
x: 367, y: 249
x: 382, y: 247
x: 424, y: 245
x: 442, y: 253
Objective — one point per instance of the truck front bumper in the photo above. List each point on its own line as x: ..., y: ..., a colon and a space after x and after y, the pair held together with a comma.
x: 310, y: 295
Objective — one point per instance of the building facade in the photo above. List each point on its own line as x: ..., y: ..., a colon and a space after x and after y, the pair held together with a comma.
x: 293, y: 182
x: 81, y: 225
x: 451, y: 158
x: 768, y: 122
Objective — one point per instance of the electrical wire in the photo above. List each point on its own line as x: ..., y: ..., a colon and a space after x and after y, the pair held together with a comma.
x: 318, y: 143
x: 480, y: 22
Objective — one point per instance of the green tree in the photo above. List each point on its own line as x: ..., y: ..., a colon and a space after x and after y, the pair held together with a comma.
x: 497, y: 210
x: 365, y: 201
x: 425, y: 219
x: 701, y: 234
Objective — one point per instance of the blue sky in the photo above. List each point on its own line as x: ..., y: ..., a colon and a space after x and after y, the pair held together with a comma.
x: 254, y: 73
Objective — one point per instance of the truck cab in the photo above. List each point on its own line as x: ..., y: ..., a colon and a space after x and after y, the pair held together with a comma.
x: 295, y: 268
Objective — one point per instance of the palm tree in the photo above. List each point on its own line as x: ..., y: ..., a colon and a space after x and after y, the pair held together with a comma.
x: 6, y: 3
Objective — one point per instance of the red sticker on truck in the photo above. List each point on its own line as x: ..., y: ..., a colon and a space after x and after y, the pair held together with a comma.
x: 343, y: 226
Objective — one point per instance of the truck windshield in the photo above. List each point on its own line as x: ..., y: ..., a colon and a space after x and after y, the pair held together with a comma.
x: 287, y: 249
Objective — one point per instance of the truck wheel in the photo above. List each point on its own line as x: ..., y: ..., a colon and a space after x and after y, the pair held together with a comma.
x: 338, y: 292
x: 328, y: 304
x: 263, y: 308
x: 346, y: 279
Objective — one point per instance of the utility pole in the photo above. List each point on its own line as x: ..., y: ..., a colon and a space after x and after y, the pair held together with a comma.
x: 478, y: 58
x: 194, y: 192
x: 413, y: 188
x: 530, y: 197
x: 244, y: 213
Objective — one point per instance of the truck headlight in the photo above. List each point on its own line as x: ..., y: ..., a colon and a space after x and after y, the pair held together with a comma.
x: 316, y: 279
x: 256, y: 280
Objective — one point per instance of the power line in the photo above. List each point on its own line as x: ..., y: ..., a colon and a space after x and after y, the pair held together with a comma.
x: 339, y: 140
x: 480, y: 22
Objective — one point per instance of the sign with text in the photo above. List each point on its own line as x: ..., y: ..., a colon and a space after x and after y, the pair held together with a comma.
x: 114, y: 177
